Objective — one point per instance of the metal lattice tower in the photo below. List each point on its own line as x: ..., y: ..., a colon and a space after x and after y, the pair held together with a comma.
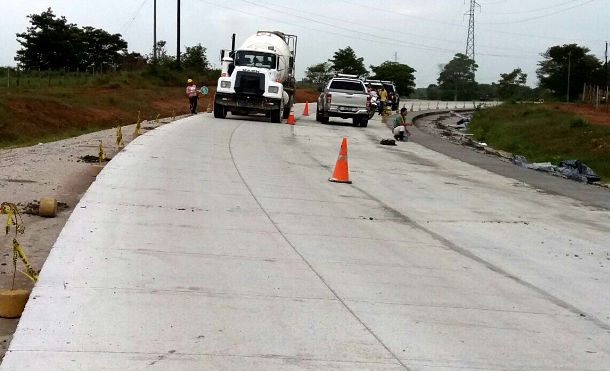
x: 470, y: 40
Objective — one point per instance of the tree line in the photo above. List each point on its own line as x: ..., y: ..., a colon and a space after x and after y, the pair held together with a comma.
x: 456, y: 80
x: 51, y: 43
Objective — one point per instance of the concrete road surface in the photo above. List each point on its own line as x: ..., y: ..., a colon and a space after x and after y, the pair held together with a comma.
x: 220, y: 245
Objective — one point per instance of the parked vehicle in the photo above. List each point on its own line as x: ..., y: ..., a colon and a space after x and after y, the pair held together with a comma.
x: 258, y: 77
x: 345, y: 96
x: 393, y: 97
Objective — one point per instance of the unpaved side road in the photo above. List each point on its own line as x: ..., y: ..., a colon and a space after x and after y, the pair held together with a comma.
x: 47, y: 170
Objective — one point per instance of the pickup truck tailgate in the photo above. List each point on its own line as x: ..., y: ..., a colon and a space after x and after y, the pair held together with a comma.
x: 348, y: 94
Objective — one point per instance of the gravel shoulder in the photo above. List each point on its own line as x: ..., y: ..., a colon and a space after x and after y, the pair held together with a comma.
x: 55, y: 170
x: 426, y: 134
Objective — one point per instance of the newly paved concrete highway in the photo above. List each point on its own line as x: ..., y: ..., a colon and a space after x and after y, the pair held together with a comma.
x: 220, y: 245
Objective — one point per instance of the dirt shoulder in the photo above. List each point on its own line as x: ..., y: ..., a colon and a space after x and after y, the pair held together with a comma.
x: 55, y: 170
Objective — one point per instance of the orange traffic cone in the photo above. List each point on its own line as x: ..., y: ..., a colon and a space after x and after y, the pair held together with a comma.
x: 291, y: 116
x: 341, y: 174
x: 306, y: 110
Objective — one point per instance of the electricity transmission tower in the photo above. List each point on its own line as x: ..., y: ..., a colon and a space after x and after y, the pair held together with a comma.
x: 470, y: 40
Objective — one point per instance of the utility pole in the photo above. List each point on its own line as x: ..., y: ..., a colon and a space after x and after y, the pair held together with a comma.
x: 178, y: 36
x: 569, y: 68
x: 396, y: 57
x: 155, y: 32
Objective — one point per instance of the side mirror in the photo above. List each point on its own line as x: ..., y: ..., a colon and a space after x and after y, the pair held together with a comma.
x: 222, y: 54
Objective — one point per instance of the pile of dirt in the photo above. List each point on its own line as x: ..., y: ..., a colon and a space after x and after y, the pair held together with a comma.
x: 90, y: 159
x: 33, y: 207
x: 595, y: 116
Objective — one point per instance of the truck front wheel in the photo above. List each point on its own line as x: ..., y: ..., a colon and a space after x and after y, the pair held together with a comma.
x: 220, y: 112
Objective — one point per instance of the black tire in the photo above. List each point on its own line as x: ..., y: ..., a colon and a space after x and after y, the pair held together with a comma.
x: 286, y: 112
x: 276, y: 116
x: 220, y: 112
x: 356, y: 120
x: 318, y: 115
x: 395, y: 107
x: 364, y: 122
x: 324, y: 119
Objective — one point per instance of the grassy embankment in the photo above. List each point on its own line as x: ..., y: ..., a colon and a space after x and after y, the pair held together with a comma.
x: 544, y: 133
x: 47, y: 107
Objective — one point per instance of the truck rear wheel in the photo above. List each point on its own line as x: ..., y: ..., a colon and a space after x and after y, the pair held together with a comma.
x: 364, y: 122
x: 220, y: 112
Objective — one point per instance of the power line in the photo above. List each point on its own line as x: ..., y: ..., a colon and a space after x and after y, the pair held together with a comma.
x: 490, y: 30
x: 376, y: 38
x: 544, y: 15
x: 534, y: 10
x: 130, y: 20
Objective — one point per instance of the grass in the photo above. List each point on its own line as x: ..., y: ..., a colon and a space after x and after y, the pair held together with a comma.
x: 51, y: 106
x: 544, y: 134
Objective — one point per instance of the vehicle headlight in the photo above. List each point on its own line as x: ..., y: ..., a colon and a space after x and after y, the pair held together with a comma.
x: 225, y: 84
x: 273, y: 89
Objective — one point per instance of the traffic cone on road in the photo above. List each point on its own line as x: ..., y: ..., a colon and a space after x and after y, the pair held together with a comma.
x: 291, y: 116
x: 341, y: 173
x: 306, y: 110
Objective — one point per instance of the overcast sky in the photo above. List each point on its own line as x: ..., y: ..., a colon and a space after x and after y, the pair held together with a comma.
x: 422, y: 33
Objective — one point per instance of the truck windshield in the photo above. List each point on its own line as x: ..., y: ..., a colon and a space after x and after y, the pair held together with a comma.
x: 255, y: 59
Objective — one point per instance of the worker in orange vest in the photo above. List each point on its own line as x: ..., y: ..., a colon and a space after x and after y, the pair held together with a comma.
x: 191, y: 92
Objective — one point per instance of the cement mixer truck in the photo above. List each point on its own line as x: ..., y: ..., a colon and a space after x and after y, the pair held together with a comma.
x: 257, y: 77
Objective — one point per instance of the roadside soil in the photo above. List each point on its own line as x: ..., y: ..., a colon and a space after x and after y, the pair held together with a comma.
x: 57, y: 169
x: 598, y: 116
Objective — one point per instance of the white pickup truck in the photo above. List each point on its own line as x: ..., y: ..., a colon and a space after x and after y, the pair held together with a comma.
x: 344, y: 97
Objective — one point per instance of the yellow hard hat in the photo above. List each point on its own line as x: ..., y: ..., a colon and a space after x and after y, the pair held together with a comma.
x: 189, y: 81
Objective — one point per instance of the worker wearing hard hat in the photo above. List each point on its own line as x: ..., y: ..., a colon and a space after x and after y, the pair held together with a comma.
x: 191, y: 92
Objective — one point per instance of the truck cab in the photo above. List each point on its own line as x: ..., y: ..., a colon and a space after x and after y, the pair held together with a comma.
x: 258, y: 77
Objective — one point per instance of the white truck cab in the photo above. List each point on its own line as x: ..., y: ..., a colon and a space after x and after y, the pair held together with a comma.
x: 258, y: 77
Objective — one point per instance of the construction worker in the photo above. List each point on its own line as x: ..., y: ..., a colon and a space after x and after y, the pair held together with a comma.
x: 191, y: 92
x: 383, y: 96
x: 401, y: 133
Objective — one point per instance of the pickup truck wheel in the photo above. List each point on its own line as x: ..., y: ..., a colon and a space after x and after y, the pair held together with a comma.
x: 220, y: 112
x: 364, y: 122
x: 324, y: 119
x: 318, y: 115
x: 356, y: 121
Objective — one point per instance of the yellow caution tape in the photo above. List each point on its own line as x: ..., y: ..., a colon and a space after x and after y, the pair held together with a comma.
x: 18, y: 253
x: 100, y: 152
x: 119, y: 137
x: 137, y: 132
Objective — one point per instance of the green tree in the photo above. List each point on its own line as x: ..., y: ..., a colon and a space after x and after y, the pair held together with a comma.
x: 553, y: 70
x: 163, y: 59
x: 400, y: 73
x: 511, y: 84
x: 456, y: 79
x: 433, y: 92
x: 51, y: 43
x: 319, y: 73
x: 346, y: 61
x: 194, y: 58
